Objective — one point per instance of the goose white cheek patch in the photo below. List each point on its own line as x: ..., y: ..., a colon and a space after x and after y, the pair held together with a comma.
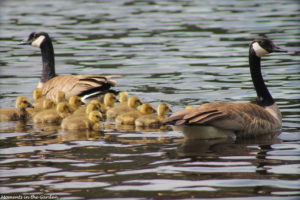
x: 259, y: 51
x: 37, y: 42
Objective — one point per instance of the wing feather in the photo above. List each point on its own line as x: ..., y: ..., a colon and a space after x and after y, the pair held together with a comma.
x: 76, y: 85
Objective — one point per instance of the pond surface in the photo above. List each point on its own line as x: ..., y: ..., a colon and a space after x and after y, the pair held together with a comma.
x: 179, y: 52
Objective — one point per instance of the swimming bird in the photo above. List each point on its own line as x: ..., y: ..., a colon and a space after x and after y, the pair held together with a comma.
x: 109, y: 101
x: 37, y: 103
x: 53, y: 115
x: 90, y: 122
x: 17, y: 113
x: 123, y: 107
x: 38, y: 98
x: 94, y: 105
x: 123, y: 97
x: 242, y: 119
x: 75, y: 102
x: 152, y: 120
x: 47, y: 104
x: 85, y: 86
x: 128, y: 118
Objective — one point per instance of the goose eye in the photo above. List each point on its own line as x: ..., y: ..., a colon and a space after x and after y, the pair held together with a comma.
x: 31, y: 35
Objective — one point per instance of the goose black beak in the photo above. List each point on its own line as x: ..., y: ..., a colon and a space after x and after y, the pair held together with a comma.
x: 278, y: 49
x: 24, y: 43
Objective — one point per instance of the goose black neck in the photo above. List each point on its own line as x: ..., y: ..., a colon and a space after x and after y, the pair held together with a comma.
x: 264, y: 97
x: 48, y: 60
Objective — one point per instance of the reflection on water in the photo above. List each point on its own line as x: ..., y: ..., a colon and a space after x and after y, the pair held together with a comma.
x: 179, y: 52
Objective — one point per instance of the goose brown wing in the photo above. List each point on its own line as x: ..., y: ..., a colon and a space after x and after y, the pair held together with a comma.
x: 226, y: 115
x: 76, y: 85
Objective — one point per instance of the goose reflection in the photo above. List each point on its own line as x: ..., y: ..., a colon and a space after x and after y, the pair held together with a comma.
x: 226, y: 146
x: 76, y: 135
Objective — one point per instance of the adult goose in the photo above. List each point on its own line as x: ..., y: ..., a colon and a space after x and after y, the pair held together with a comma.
x: 241, y: 119
x: 85, y: 86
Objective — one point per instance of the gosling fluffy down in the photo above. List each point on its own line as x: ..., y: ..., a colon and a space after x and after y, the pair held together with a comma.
x: 152, y: 120
x: 18, y: 113
x: 123, y: 107
x: 54, y: 115
x: 90, y: 122
x: 130, y: 117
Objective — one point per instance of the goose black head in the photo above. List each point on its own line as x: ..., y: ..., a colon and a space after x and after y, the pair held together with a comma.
x: 36, y: 39
x: 264, y: 46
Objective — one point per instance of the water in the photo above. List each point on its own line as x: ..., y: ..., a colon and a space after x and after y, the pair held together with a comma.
x: 178, y: 52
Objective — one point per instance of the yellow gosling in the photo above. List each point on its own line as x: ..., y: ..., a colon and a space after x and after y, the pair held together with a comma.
x: 130, y: 117
x: 90, y: 122
x: 53, y: 115
x: 47, y: 104
x: 123, y: 97
x: 18, y: 113
x: 109, y: 102
x: 93, y: 105
x: 152, y: 120
x: 37, y: 103
x: 131, y: 105
x: 75, y: 102
x: 38, y: 98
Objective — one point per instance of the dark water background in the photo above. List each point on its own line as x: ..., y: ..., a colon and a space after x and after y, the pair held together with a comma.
x: 180, y: 52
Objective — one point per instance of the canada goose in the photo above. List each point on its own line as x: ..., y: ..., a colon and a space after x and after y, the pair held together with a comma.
x: 243, y: 119
x: 75, y: 102
x: 123, y: 97
x: 18, y: 113
x: 94, y: 105
x: 109, y: 101
x: 53, y: 115
x: 128, y: 118
x: 123, y: 107
x: 38, y: 98
x: 37, y: 103
x: 90, y: 122
x: 82, y: 113
x: 47, y: 104
x: 85, y: 86
x: 152, y: 120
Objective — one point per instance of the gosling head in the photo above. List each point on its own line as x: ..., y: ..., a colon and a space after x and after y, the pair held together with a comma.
x: 147, y: 109
x: 134, y: 102
x: 91, y: 107
x: 48, y: 104
x: 75, y: 101
x: 163, y: 109
x: 23, y: 102
x: 37, y: 93
x: 96, y: 103
x: 95, y: 116
x: 37, y: 39
x: 63, y: 109
x: 264, y: 46
x: 110, y: 99
x: 123, y: 96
